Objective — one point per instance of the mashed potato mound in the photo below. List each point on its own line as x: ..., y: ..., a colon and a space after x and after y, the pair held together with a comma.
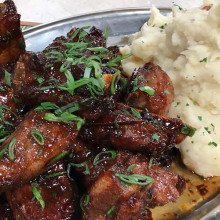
x: 186, y: 44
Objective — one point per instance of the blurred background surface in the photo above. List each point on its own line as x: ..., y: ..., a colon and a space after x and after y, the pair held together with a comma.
x: 43, y: 11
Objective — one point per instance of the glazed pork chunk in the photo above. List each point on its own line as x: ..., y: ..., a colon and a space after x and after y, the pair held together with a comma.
x: 66, y: 71
x: 121, y: 185
x: 11, y: 40
x: 150, y: 87
x: 58, y: 197
x: 138, y: 131
x: 34, y: 145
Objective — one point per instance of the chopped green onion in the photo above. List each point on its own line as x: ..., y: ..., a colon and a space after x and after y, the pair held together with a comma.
x: 2, y: 89
x: 46, y: 106
x: 37, y: 136
x: 77, y: 31
x: 7, y: 78
x: 207, y: 129
x: 55, y: 174
x: 115, y: 79
x: 150, y: 163
x: 130, y: 168
x: 2, y: 116
x: 11, y: 148
x: 37, y: 194
x: 70, y: 108
x: 21, y: 44
x: 84, y: 201
x: 109, y: 212
x: 54, y: 194
x: 40, y: 80
x: 83, y: 164
x: 98, y: 49
x: 155, y: 137
x: 135, y: 113
x: 118, y: 59
x: 200, y: 118
x: 167, y: 92
x: 188, y: 130
x: 213, y: 143
x: 65, y: 117
x: 149, y: 90
x: 106, y: 34
x: 203, y: 60
x: 58, y: 157
x: 136, y: 179
x: 97, y: 159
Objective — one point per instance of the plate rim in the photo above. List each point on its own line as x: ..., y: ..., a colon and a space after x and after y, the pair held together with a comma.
x: 91, y: 14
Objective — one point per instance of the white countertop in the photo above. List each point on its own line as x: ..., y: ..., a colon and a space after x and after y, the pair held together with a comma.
x: 49, y: 10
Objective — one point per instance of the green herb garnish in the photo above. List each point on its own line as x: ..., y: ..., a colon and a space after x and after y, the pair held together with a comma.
x: 136, y: 179
x: 135, y: 113
x: 213, y: 143
x: 7, y: 78
x: 149, y: 90
x: 130, y: 168
x: 37, y: 136
x: 83, y: 164
x: 37, y: 194
x: 56, y: 174
x: 97, y: 159
x: 109, y: 212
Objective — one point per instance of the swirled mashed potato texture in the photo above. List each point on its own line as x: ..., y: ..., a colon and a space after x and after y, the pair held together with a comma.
x: 186, y: 44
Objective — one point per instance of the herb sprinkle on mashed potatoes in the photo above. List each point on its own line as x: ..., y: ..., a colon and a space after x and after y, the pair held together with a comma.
x: 186, y: 44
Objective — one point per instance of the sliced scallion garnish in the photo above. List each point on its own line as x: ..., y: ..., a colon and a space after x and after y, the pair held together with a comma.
x: 7, y: 78
x: 84, y: 201
x: 46, y: 106
x: 2, y: 107
x: 11, y: 148
x: 149, y: 90
x: 136, y: 179
x: 135, y: 113
x: 97, y: 159
x: 37, y: 194
x: 117, y: 60
x: 37, y: 136
x: 115, y: 79
x: 188, y: 130
x: 55, y: 174
x: 130, y: 168
x: 109, y: 212
x: 83, y: 164
x: 58, y: 157
x: 66, y: 118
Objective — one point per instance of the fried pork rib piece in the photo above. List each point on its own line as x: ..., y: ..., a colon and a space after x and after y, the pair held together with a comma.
x: 107, y: 191
x: 148, y: 133
x: 11, y: 38
x: 38, y: 76
x: 152, y: 76
x: 58, y: 193
x: 31, y: 147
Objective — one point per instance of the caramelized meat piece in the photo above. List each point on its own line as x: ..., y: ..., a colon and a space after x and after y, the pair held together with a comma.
x: 11, y: 38
x: 151, y: 134
x: 129, y: 200
x: 152, y: 76
x: 10, y: 109
x: 57, y: 192
x: 27, y: 87
x: 26, y: 153
x: 56, y: 77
